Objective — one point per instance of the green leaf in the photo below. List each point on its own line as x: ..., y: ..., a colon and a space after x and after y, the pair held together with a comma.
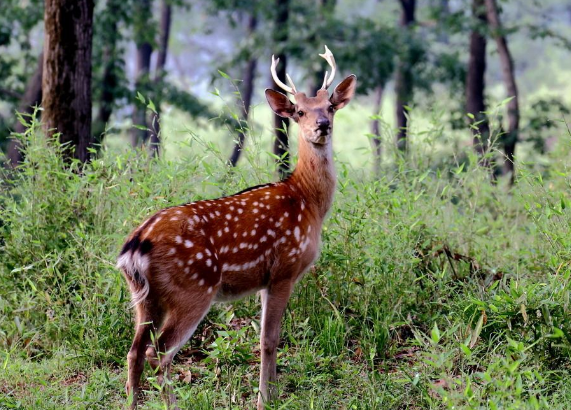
x: 151, y: 106
x: 435, y: 334
x: 467, y: 351
x: 223, y: 74
x: 557, y: 333
x: 507, y: 100
x: 477, y: 330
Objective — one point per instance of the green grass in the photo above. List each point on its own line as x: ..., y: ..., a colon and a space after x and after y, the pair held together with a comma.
x: 435, y: 289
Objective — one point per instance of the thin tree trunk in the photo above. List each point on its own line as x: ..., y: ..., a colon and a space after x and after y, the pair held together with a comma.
x: 404, y: 78
x: 281, y: 145
x: 144, y: 51
x: 376, y: 133
x: 247, y: 93
x: 31, y: 98
x: 66, y: 82
x: 511, y: 138
x: 110, y: 79
x: 164, y: 35
x: 475, y: 83
x: 444, y: 14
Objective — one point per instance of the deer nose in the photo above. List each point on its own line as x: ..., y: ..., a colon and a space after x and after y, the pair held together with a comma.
x: 322, y: 123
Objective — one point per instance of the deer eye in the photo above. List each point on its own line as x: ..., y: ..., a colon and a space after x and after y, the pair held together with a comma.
x: 331, y: 108
x: 300, y: 113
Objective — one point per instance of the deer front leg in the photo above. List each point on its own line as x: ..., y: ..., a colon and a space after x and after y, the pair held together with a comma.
x: 274, y: 302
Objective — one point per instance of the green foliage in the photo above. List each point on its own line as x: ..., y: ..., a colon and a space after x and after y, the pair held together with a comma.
x: 18, y: 59
x: 543, y: 118
x: 108, y: 59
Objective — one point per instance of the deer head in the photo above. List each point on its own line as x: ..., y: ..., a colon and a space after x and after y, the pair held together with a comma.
x: 313, y: 114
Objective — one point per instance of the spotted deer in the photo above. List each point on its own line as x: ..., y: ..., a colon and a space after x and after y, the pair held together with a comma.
x: 184, y: 258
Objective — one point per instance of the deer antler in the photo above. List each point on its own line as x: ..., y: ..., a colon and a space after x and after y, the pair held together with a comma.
x: 328, y: 56
x: 292, y: 89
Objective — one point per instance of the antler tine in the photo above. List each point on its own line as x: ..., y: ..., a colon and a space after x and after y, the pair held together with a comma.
x: 292, y: 89
x: 289, y: 80
x: 324, y: 85
x: 328, y: 80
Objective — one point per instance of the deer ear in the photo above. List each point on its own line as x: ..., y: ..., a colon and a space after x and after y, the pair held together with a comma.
x: 279, y: 103
x: 344, y: 92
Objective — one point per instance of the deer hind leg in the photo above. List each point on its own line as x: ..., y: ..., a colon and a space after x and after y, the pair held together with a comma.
x: 274, y: 302
x: 188, y: 310
x: 144, y: 322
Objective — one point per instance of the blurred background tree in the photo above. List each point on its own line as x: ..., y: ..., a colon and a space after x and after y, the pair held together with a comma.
x: 411, y: 58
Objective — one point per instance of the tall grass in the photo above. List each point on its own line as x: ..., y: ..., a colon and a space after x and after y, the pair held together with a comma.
x: 434, y: 289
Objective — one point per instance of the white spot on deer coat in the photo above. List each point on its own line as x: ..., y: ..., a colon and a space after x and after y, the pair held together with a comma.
x: 296, y: 233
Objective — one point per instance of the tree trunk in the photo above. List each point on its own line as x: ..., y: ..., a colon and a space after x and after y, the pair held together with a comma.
x: 444, y: 12
x: 31, y: 98
x: 404, y: 78
x: 511, y: 138
x: 475, y: 83
x: 110, y: 79
x: 247, y: 93
x: 281, y: 146
x: 66, y: 82
x: 144, y: 51
x: 376, y: 146
x: 164, y: 35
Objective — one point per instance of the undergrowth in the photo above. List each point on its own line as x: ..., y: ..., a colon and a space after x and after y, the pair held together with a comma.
x: 435, y: 288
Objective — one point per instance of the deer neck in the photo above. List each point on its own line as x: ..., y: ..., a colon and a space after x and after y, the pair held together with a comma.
x: 314, y: 176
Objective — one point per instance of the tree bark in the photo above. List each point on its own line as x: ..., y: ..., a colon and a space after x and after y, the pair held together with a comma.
x: 376, y: 146
x: 475, y: 83
x: 506, y: 60
x: 144, y: 51
x: 281, y: 145
x: 31, y: 98
x: 404, y: 78
x: 247, y: 93
x: 66, y: 82
x: 164, y: 35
